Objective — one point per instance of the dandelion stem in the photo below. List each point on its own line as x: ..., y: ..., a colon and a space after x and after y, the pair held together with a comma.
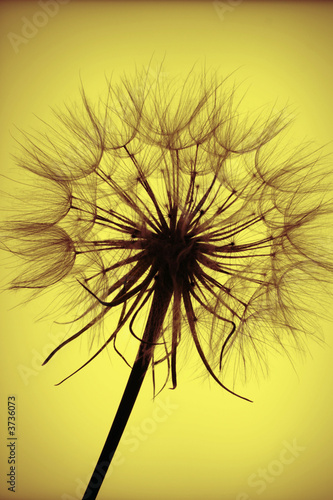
x: 158, y: 310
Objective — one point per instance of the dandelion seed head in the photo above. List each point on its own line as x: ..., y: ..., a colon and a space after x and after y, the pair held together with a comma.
x: 167, y: 189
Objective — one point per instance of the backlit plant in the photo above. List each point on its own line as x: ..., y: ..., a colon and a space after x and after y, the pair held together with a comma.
x: 164, y: 202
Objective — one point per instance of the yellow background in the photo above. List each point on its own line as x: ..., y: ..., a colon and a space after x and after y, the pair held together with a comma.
x: 211, y: 443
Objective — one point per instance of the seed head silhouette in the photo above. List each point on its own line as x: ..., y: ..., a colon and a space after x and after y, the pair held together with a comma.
x: 165, y: 201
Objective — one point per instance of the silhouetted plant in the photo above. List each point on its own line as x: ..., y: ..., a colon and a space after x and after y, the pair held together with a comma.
x: 165, y: 201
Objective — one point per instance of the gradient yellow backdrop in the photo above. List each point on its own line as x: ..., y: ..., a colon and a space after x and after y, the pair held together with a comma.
x: 201, y: 443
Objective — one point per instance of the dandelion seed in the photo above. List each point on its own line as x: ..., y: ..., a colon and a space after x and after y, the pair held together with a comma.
x: 169, y: 203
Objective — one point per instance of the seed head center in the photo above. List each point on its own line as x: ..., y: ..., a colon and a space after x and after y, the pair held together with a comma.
x: 173, y: 251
